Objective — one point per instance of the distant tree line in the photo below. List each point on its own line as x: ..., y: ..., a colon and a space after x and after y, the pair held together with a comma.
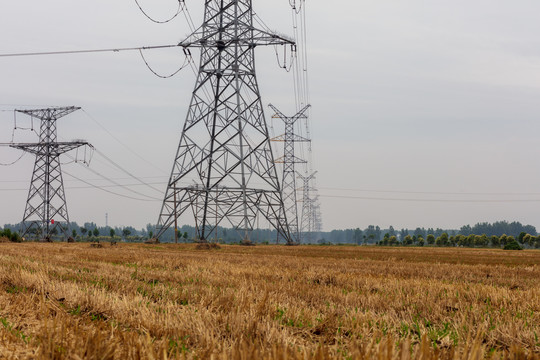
x: 374, y: 234
x: 89, y: 231
x: 371, y: 235
x: 472, y: 240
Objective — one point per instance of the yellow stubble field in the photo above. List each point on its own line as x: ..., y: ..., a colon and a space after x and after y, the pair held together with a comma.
x: 166, y: 301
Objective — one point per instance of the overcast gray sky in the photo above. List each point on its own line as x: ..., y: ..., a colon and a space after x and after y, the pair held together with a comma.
x: 409, y: 98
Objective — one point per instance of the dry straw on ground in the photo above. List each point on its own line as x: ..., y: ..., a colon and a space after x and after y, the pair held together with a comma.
x: 71, y: 301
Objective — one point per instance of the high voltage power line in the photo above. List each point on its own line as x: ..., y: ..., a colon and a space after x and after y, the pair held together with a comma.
x: 431, y: 200
x: 112, y: 192
x: 122, y: 143
x: 89, y: 51
x: 181, y: 6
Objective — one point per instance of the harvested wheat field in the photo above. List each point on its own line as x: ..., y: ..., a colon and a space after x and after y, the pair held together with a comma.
x: 134, y: 301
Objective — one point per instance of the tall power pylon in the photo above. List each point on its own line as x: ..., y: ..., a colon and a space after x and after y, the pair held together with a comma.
x: 289, y: 159
x: 46, y: 209
x: 308, y: 204
x: 317, y: 218
x: 224, y: 168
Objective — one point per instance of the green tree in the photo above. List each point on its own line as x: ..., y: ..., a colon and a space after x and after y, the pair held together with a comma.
x: 408, y: 240
x: 112, y: 233
x: 521, y: 237
x: 503, y: 239
x: 74, y: 233
x: 83, y: 230
x: 471, y: 240
x: 126, y: 232
x: 403, y: 233
x: 512, y: 244
x: 444, y: 239
x: 15, y: 237
x: 430, y: 239
x: 478, y: 241
x: 495, y: 241
x: 185, y: 236
x: 7, y: 233
x: 96, y: 232
x: 527, y: 240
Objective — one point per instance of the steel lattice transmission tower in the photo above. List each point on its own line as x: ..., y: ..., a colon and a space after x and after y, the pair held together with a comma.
x: 317, y: 218
x: 307, y: 223
x: 224, y: 168
x: 289, y: 160
x: 46, y: 208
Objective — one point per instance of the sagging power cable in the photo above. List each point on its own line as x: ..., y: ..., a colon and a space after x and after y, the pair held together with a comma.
x: 115, y: 182
x: 122, y: 143
x: 127, y: 172
x: 187, y: 60
x: 109, y: 191
x: 14, y: 162
x: 181, y: 6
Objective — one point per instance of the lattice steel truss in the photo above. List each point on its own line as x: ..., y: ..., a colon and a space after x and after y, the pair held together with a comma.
x: 289, y: 159
x: 307, y: 223
x: 224, y: 168
x: 317, y: 218
x: 46, y: 209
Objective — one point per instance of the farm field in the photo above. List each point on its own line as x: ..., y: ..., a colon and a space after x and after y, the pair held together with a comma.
x: 166, y: 301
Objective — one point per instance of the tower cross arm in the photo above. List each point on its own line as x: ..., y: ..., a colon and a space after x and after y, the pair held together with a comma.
x: 278, y: 114
x: 54, y: 148
x: 293, y: 159
x: 51, y: 113
x: 249, y: 37
x: 291, y: 138
x: 308, y: 177
x: 299, y: 115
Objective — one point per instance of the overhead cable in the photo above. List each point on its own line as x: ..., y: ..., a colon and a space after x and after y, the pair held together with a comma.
x: 13, y: 162
x: 186, y: 63
x: 122, y: 143
x: 109, y: 191
x: 127, y: 172
x: 431, y: 192
x: 114, y: 182
x: 178, y: 11
x: 430, y: 200
x: 90, y: 51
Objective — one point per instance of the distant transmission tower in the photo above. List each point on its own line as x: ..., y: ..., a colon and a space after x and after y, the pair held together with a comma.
x: 46, y: 208
x: 289, y: 160
x: 307, y: 223
x: 224, y: 168
x: 317, y: 218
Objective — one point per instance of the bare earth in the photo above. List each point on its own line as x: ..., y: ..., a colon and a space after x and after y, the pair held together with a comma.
x: 133, y: 301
